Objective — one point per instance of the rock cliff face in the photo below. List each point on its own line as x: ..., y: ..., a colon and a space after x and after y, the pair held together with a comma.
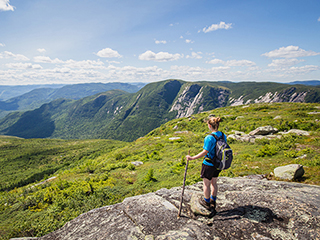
x: 248, y: 208
x: 195, y: 99
x: 288, y: 95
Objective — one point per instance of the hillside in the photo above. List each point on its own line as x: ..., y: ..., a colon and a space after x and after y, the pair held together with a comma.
x: 40, y: 95
x: 104, y: 172
x: 128, y: 116
x: 8, y: 91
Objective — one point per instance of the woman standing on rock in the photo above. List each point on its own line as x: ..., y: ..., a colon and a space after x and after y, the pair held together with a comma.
x: 209, y: 173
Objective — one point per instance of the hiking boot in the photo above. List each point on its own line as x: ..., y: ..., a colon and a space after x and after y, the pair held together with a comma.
x: 213, y: 204
x: 205, y: 204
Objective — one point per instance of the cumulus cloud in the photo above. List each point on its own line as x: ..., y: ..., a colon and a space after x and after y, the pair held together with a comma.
x: 2, y: 44
x: 216, y: 61
x: 18, y: 57
x: 108, y: 53
x: 284, y: 62
x: 290, y: 52
x: 162, y: 41
x: 5, y: 6
x: 304, y: 69
x: 160, y: 56
x: 189, y: 41
x: 232, y: 63
x: 240, y: 63
x: 86, y: 64
x: 44, y: 59
x: 23, y: 66
x: 195, y: 55
x: 41, y: 50
x: 214, y: 27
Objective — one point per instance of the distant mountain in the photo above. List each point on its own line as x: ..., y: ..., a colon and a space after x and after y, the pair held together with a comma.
x: 7, y: 91
x: 126, y: 116
x: 36, y: 97
x: 308, y: 83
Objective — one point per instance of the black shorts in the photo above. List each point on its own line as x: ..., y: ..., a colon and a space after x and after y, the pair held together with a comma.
x: 209, y: 172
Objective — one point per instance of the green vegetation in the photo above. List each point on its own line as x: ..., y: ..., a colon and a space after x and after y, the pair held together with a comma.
x: 87, y: 174
x: 114, y: 113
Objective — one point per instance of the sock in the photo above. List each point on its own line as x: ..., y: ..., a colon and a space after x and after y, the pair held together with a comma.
x: 214, y: 198
x: 207, y: 199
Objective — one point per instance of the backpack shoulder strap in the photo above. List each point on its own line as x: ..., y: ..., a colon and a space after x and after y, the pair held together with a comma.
x: 216, y: 137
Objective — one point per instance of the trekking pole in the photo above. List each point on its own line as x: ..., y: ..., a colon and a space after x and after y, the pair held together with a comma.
x: 184, y: 182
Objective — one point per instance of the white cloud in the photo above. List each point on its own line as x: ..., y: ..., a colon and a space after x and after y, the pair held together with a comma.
x: 162, y: 41
x: 111, y: 62
x: 160, y: 56
x: 172, y: 24
x: 239, y: 63
x: 290, y: 52
x: 189, y: 41
x: 319, y: 19
x: 108, y: 53
x: 44, y: 59
x: 304, y: 69
x: 41, y: 50
x: 18, y: 57
x: 23, y: 66
x: 195, y: 55
x: 216, y: 61
x: 86, y: 64
x: 284, y: 62
x: 232, y: 63
x: 214, y: 27
x: 2, y: 44
x: 5, y: 6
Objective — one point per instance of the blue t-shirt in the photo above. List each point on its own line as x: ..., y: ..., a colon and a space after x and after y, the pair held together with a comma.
x: 210, y: 146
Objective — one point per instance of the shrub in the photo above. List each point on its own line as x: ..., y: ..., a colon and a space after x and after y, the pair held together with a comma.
x: 131, y: 167
x: 150, y: 176
x: 291, y: 154
x: 267, y: 150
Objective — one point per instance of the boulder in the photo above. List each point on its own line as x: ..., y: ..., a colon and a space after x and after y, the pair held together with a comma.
x: 289, y: 172
x: 265, y: 130
x: 181, y: 132
x: 174, y: 138
x: 246, y: 209
x: 196, y: 207
x: 137, y: 163
x: 298, y: 132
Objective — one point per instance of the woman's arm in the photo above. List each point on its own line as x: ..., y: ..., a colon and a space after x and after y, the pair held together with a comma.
x: 199, y: 155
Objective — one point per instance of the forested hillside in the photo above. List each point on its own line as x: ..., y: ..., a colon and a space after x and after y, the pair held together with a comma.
x: 126, y: 116
x: 46, y: 182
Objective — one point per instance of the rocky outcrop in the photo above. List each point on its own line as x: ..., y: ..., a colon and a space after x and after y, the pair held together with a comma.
x: 287, y: 95
x: 289, y: 172
x: 195, y: 99
x: 266, y: 132
x: 187, y: 101
x: 247, y: 208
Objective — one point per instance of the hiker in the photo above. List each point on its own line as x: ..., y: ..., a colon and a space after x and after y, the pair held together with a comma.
x: 209, y: 173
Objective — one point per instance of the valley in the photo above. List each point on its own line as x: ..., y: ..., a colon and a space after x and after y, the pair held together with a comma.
x: 87, y: 174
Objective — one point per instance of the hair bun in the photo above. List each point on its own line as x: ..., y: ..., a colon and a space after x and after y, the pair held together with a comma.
x: 218, y: 120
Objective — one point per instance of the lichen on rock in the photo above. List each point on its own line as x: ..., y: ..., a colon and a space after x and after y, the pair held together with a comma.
x: 247, y: 208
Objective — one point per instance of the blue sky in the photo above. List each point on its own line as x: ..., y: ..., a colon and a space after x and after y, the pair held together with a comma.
x: 77, y: 41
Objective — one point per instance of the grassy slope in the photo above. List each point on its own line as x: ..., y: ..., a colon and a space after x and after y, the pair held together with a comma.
x: 107, y: 176
x: 114, y: 113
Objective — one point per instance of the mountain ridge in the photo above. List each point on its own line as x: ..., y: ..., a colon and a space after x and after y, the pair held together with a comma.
x: 39, y: 96
x: 127, y: 116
